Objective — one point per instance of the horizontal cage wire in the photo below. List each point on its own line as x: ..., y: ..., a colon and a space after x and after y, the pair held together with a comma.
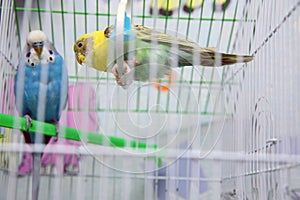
x: 193, y: 99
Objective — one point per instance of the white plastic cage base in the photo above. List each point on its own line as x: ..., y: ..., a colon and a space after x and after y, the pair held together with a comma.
x: 111, y: 174
x: 103, y: 176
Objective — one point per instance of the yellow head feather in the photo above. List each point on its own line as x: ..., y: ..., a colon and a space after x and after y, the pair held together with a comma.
x: 80, y: 48
x: 91, y: 49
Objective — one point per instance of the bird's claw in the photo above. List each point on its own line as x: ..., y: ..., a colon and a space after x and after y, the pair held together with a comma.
x: 28, y: 122
x: 122, y: 80
x: 57, y: 129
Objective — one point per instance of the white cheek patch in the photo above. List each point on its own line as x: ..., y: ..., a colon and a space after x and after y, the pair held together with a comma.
x: 31, y: 58
x: 89, y: 59
x: 47, y: 56
x: 88, y: 53
x: 51, y: 56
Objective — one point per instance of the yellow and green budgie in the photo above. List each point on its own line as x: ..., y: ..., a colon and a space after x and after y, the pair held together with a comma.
x: 148, y: 54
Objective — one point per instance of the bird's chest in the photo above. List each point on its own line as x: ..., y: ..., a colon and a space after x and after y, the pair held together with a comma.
x: 37, y: 82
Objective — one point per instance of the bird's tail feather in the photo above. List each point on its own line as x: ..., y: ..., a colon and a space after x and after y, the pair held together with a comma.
x: 220, y: 59
x: 211, y: 58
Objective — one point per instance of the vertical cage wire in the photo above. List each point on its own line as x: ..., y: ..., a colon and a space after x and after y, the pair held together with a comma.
x: 266, y: 101
x: 227, y: 132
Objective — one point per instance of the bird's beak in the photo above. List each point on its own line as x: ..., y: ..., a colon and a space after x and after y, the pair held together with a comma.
x: 78, y: 59
x: 38, y: 49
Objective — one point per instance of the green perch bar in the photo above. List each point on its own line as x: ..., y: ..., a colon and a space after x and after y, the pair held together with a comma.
x: 14, y: 122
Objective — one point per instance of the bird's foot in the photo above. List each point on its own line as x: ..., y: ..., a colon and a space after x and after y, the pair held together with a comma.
x: 57, y: 128
x: 28, y: 122
x: 165, y: 87
x: 125, y: 79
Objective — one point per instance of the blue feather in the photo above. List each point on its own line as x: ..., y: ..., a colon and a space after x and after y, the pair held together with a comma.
x: 128, y: 33
x: 30, y: 86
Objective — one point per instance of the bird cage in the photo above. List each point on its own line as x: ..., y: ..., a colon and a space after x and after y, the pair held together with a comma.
x: 201, y: 132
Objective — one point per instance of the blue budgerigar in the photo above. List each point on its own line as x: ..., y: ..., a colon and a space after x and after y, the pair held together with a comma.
x: 41, y: 84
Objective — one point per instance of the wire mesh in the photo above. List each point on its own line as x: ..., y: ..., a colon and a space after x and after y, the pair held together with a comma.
x: 266, y: 102
x: 211, y: 133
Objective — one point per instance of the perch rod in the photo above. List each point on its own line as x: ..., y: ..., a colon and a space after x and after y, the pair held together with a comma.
x: 19, y: 123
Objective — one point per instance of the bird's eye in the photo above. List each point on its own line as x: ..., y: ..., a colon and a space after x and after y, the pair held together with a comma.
x: 80, y: 44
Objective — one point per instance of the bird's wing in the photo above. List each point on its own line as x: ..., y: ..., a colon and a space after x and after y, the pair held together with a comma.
x: 186, y: 48
x: 149, y: 35
x: 65, y: 87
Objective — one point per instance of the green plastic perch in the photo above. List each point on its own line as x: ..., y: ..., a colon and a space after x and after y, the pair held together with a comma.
x: 13, y: 122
